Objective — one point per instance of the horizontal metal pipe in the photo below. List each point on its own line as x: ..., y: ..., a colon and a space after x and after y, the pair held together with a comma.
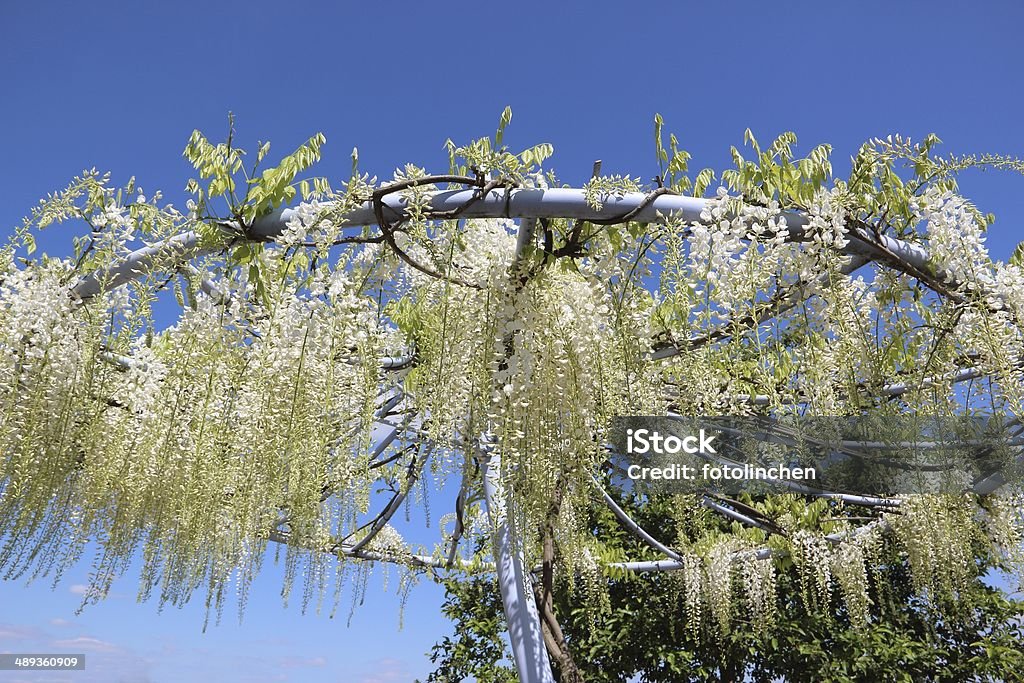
x: 508, y: 203
x: 755, y: 554
x: 513, y: 203
x: 138, y: 263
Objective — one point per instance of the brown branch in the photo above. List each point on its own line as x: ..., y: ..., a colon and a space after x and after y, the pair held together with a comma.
x: 426, y: 180
x: 347, y: 240
x: 460, y: 509
x: 388, y: 231
x: 573, y: 247
x: 784, y: 299
x: 862, y: 233
x: 554, y: 638
x: 477, y: 196
x: 630, y: 215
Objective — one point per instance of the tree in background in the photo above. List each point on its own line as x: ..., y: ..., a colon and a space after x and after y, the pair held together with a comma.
x: 640, y: 628
x: 332, y: 362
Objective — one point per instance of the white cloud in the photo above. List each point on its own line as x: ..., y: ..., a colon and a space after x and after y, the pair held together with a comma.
x: 299, y: 662
x: 386, y: 670
x: 85, y: 644
x: 14, y: 632
x: 59, y: 622
x: 93, y: 593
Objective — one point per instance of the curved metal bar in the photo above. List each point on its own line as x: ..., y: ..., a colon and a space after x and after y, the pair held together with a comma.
x: 208, y: 286
x: 121, y: 361
x: 522, y: 615
x: 635, y: 528
x: 413, y: 559
x: 997, y: 480
x: 389, y: 403
x: 396, y: 362
x: 414, y: 470
x: 637, y: 206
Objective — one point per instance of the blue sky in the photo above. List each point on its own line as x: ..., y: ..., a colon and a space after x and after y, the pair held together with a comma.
x: 120, y: 86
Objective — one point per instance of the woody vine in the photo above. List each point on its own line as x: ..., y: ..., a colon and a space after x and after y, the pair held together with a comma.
x: 484, y: 326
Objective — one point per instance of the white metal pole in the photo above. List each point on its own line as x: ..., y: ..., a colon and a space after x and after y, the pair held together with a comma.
x: 524, y: 629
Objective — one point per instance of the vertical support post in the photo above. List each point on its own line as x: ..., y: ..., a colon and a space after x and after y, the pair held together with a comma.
x: 524, y: 628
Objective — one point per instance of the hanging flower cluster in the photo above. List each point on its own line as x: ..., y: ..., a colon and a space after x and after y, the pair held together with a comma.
x: 254, y: 414
x: 193, y: 444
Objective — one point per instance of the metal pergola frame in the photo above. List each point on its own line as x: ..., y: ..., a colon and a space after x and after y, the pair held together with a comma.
x: 486, y: 200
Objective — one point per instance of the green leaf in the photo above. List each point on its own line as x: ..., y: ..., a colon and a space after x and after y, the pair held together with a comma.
x: 506, y: 118
x: 1017, y: 257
